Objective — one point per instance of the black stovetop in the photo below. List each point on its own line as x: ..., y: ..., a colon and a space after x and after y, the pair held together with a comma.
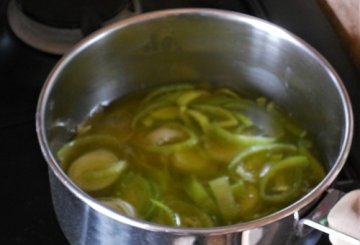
x: 27, y: 213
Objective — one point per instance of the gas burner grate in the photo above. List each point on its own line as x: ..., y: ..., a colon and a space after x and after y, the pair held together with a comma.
x: 50, y: 39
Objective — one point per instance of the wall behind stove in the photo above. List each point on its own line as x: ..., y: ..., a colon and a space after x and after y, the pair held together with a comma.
x: 345, y: 16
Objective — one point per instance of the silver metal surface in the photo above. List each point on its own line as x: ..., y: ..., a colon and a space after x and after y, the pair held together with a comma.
x: 50, y: 39
x: 188, y: 45
x: 317, y: 219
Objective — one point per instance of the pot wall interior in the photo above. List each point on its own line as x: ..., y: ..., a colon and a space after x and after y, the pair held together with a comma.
x: 239, y: 52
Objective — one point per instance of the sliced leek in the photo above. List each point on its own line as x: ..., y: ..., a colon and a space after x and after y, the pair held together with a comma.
x: 72, y: 150
x: 137, y: 190
x: 291, y: 167
x: 167, y: 89
x: 190, y: 216
x: 219, y: 116
x: 188, y: 96
x: 165, y: 215
x: 96, y: 170
x: 170, y: 138
x: 261, y: 149
x: 199, y: 195
x: 119, y: 205
x: 225, y: 200
x: 241, y: 139
x: 192, y: 155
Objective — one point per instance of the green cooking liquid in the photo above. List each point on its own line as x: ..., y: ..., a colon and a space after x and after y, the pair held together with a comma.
x: 192, y: 156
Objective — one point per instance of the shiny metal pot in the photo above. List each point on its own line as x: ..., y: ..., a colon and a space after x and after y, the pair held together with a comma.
x: 226, y: 48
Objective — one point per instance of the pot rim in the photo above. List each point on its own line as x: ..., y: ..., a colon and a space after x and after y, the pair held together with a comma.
x: 221, y: 14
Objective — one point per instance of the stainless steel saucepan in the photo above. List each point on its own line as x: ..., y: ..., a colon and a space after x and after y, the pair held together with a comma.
x: 220, y: 47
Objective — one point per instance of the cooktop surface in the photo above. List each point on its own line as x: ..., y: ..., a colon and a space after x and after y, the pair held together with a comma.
x: 28, y: 216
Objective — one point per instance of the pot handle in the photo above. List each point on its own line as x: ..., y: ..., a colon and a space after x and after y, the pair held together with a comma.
x: 318, y: 218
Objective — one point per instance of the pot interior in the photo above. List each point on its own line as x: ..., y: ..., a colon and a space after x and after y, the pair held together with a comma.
x: 232, y: 50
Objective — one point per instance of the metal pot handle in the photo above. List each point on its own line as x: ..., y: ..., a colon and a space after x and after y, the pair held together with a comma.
x: 317, y: 219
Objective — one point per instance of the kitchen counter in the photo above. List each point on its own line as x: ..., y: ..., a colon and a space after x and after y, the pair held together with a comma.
x: 345, y: 17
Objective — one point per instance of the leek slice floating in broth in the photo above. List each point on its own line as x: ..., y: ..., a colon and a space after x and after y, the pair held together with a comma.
x: 199, y: 195
x: 190, y: 215
x: 96, y: 170
x: 165, y: 215
x: 247, y: 195
x: 248, y: 163
x: 169, y: 138
x: 119, y: 205
x: 193, y: 155
x: 185, y: 98
x: 260, y: 149
x: 167, y: 89
x: 220, y: 116
x: 137, y: 191
x: 193, y: 160
x: 200, y: 118
x: 241, y: 139
x: 144, y: 111
x: 225, y: 200
x: 72, y: 150
x: 283, y: 179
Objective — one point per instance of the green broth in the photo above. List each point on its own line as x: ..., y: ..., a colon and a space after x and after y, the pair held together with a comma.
x: 192, y: 156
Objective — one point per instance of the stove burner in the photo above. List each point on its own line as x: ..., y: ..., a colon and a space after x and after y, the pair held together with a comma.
x: 55, y: 40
